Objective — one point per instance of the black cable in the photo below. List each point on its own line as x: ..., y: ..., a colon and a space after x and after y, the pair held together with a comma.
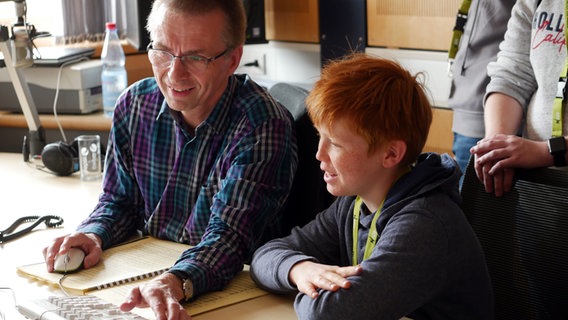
x: 49, y: 220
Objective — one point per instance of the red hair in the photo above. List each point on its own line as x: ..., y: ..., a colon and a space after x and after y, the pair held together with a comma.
x: 380, y: 99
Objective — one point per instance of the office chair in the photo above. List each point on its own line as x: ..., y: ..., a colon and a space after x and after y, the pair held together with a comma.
x: 524, y: 235
x: 308, y: 195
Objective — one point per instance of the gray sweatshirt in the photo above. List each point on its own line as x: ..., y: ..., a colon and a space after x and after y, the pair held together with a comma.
x: 479, y: 44
x: 530, y: 61
x: 427, y: 263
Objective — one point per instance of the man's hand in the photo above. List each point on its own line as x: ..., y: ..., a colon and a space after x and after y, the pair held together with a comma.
x: 309, y: 276
x: 161, y: 294
x: 90, y: 243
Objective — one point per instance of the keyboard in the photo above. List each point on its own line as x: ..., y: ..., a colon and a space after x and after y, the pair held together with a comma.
x: 73, y: 308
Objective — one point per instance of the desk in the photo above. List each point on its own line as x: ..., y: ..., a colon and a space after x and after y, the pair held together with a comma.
x: 27, y: 191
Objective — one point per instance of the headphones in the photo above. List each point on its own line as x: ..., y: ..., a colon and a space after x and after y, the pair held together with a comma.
x: 61, y: 158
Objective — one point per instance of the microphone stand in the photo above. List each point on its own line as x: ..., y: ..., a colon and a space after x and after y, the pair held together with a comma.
x: 36, y: 136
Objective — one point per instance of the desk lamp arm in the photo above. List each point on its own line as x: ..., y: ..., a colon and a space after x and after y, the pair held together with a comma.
x: 36, y: 138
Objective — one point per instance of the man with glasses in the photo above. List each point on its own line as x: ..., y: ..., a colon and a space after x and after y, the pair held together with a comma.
x: 196, y: 155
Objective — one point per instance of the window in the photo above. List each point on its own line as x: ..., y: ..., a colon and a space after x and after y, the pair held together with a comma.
x: 45, y: 15
x: 68, y: 21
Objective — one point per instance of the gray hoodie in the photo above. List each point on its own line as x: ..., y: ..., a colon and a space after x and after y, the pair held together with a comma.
x: 427, y: 264
x: 479, y: 44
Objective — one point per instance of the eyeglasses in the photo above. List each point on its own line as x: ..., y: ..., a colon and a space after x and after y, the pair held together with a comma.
x: 195, y: 63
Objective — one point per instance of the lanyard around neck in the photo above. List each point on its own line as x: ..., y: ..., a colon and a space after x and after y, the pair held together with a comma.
x: 558, y: 105
x: 461, y: 19
x: 373, y: 235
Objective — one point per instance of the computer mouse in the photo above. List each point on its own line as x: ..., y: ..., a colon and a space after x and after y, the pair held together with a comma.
x: 70, y: 262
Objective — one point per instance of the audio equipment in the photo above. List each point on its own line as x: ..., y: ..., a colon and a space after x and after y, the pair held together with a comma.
x: 61, y: 158
x: 256, y: 25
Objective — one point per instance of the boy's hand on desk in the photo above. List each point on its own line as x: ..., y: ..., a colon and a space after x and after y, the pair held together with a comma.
x: 162, y: 294
x: 90, y: 243
x: 309, y: 276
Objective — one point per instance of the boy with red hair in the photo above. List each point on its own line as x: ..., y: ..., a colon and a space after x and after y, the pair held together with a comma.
x: 395, y: 243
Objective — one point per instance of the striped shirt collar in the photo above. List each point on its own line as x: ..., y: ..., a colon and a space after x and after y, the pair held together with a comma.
x: 218, y: 119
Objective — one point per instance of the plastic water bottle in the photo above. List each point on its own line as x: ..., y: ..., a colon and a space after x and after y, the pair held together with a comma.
x: 113, y: 77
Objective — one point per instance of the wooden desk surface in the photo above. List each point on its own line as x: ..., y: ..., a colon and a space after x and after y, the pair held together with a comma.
x: 88, y: 122
x: 25, y: 191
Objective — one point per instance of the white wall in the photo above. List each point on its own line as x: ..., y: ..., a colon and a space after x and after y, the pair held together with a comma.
x: 299, y: 63
x: 433, y: 64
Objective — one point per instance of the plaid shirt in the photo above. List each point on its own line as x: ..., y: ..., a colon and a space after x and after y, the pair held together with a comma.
x: 216, y: 189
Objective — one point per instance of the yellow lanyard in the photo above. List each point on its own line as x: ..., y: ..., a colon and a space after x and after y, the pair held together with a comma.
x: 373, y: 234
x: 461, y: 19
x: 558, y: 106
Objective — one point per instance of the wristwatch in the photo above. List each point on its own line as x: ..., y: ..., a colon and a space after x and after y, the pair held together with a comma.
x: 557, y: 149
x: 186, y: 284
x: 187, y: 287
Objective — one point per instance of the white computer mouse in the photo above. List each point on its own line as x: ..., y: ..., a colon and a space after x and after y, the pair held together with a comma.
x: 70, y: 262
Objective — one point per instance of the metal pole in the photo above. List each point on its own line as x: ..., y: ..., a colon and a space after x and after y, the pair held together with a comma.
x: 36, y: 137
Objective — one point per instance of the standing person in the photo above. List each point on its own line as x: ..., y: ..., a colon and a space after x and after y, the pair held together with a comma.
x: 520, y: 99
x: 478, y: 46
x: 395, y: 242
x: 197, y: 155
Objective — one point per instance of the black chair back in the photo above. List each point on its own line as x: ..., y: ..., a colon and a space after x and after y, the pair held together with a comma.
x: 309, y: 195
x: 524, y: 235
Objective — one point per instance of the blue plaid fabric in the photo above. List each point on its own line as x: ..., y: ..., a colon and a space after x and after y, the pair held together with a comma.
x: 216, y: 189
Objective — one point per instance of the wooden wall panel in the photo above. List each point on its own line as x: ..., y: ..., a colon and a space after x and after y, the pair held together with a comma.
x: 292, y: 20
x: 411, y: 24
x: 441, y: 137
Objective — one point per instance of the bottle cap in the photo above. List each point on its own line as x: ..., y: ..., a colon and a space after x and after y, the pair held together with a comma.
x: 111, y: 25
